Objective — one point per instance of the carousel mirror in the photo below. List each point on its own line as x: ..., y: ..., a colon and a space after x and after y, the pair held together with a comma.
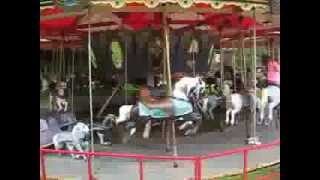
x: 117, y: 56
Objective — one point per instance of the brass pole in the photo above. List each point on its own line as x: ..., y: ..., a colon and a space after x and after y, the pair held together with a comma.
x: 167, y: 59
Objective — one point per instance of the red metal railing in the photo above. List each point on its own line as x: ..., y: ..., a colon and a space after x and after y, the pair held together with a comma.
x: 197, y: 160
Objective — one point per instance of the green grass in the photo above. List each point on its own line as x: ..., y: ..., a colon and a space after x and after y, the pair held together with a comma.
x: 44, y: 99
x: 255, y: 174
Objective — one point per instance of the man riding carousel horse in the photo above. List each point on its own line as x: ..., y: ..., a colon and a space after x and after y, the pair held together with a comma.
x: 156, y: 108
x: 271, y: 94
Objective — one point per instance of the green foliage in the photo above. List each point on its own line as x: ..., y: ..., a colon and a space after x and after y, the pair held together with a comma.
x: 212, y: 90
x: 132, y: 90
x: 117, y: 56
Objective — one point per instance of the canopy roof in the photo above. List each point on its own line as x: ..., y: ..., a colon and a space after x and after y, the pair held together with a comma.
x: 223, y: 17
x: 245, y: 5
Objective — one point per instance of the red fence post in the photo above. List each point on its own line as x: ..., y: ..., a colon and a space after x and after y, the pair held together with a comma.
x: 195, y: 163
x: 245, y: 164
x: 141, y: 169
x: 43, y: 166
x: 90, y: 177
x: 197, y: 168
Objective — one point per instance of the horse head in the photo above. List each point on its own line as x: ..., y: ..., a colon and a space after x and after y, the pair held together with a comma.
x: 189, y: 88
x: 226, y: 90
x: 80, y: 131
x: 109, y: 120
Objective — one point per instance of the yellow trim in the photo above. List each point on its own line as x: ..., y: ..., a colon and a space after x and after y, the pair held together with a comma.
x: 246, y: 6
x: 45, y: 7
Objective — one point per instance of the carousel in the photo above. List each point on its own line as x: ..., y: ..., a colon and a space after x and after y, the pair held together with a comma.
x: 144, y: 66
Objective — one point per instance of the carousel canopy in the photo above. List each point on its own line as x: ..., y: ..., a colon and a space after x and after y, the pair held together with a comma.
x: 225, y: 18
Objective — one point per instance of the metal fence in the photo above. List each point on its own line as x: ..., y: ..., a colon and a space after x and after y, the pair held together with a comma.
x: 197, y: 160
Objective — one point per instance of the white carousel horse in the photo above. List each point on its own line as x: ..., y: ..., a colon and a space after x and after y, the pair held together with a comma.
x: 168, y: 110
x: 76, y: 139
x: 270, y: 99
x: 187, y: 89
x: 208, y: 105
x: 236, y: 102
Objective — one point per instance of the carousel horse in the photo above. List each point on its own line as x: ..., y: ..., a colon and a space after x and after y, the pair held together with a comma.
x: 270, y: 103
x: 235, y: 102
x: 181, y: 107
x: 153, y: 108
x: 208, y: 105
x: 48, y: 128
x: 77, y: 139
x: 103, y: 130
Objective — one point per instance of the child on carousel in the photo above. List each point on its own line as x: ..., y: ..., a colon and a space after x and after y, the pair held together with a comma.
x: 61, y: 102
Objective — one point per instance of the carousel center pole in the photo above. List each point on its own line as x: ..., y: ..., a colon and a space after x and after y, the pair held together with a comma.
x: 126, y: 71
x: 242, y: 61
x: 234, y: 66
x: 72, y: 80
x: 221, y: 62
x: 90, y: 81
x: 254, y: 140
x: 169, y: 86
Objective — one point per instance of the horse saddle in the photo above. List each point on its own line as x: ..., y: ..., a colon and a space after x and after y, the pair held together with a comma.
x: 155, y: 99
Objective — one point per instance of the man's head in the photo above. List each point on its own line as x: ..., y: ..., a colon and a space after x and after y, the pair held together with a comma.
x: 265, y: 59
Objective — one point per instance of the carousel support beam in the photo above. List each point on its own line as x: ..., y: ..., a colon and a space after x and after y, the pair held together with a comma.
x: 234, y: 66
x: 90, y: 83
x: 241, y: 46
x: 72, y: 80
x: 272, y: 49
x: 126, y: 71
x: 244, y: 62
x: 167, y: 50
x: 279, y: 53
x: 268, y: 46
x: 221, y: 63
x: 164, y: 65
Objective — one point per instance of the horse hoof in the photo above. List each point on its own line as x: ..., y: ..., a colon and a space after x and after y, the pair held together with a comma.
x: 175, y: 165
